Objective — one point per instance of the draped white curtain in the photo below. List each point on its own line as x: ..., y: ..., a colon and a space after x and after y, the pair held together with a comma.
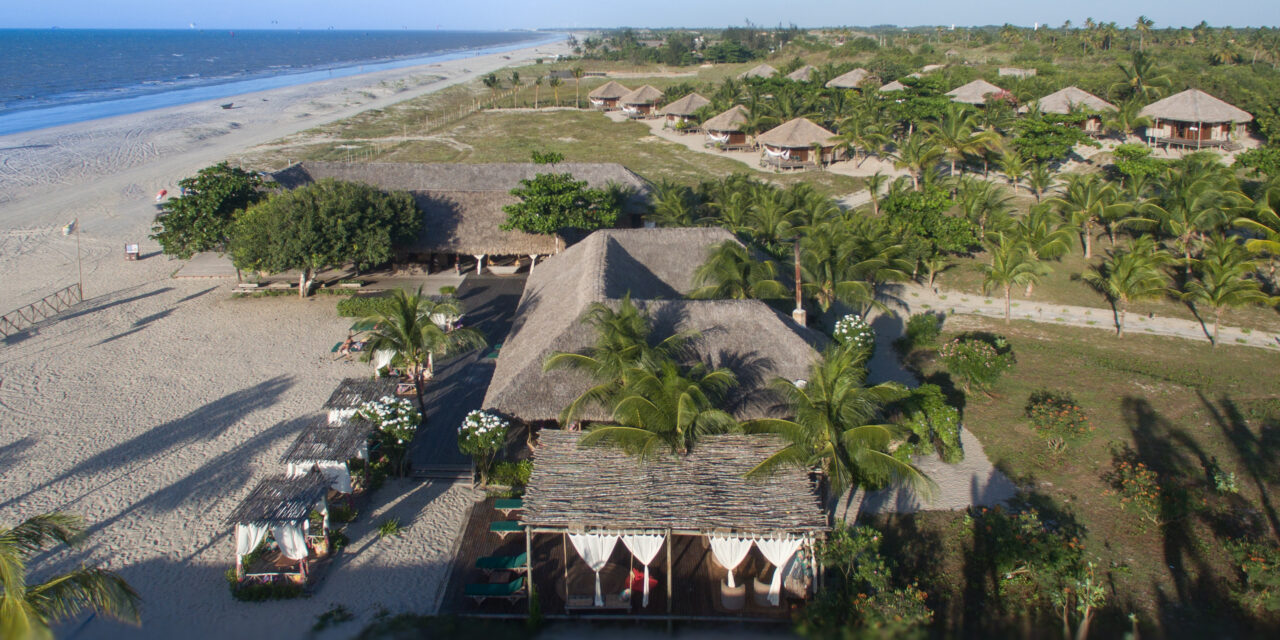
x: 382, y: 358
x: 339, y: 416
x: 730, y: 552
x: 777, y: 551
x: 248, y: 537
x: 292, y: 541
x: 337, y: 473
x: 645, y: 548
x: 595, y: 549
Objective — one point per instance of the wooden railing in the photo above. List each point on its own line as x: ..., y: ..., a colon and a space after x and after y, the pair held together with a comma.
x: 48, y: 306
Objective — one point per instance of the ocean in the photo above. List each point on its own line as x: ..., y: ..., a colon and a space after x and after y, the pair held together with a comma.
x: 59, y: 76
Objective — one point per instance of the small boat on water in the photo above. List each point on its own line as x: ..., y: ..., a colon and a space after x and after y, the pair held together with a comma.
x: 227, y: 105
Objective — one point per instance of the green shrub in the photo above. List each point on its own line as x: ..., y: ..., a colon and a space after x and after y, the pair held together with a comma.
x: 934, y: 424
x: 389, y: 528
x: 342, y: 514
x: 1057, y: 415
x: 512, y: 474
x: 335, y: 616
x: 448, y: 290
x: 253, y: 591
x: 364, y: 306
x: 1259, y: 567
x: 338, y: 539
x: 977, y: 362
x: 1137, y: 486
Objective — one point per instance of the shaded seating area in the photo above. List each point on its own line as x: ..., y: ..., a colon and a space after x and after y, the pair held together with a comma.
x: 675, y: 537
x: 326, y: 446
x: 281, y: 529
x: 353, y: 392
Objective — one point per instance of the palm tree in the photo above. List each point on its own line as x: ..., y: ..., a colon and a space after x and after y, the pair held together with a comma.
x: 834, y: 427
x: 494, y: 83
x: 1130, y: 275
x: 1224, y: 279
x: 666, y: 409
x: 1264, y: 225
x: 732, y: 273
x: 28, y: 610
x: 1142, y: 80
x: 1043, y: 234
x: 1126, y: 118
x: 1014, y: 168
x: 954, y: 132
x: 1143, y: 25
x: 577, y: 72
x: 674, y: 205
x: 515, y: 87
x: 1198, y: 196
x: 772, y: 220
x: 875, y: 182
x: 554, y: 82
x: 1087, y: 201
x: 1011, y: 264
x: 537, y: 85
x: 1041, y: 179
x: 916, y: 154
x: 408, y: 328
x: 983, y: 203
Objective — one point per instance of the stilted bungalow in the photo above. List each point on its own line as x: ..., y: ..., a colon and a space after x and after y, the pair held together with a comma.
x: 462, y: 207
x: 680, y: 113
x: 327, y: 447
x: 975, y: 92
x: 796, y: 144
x: 281, y: 529
x: 849, y: 80
x: 697, y: 539
x: 641, y: 103
x: 758, y: 71
x: 727, y: 130
x: 606, y: 96
x: 1193, y: 119
x: 803, y: 74
x: 1068, y: 100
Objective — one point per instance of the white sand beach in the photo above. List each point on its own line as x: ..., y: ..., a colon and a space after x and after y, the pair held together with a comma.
x: 153, y: 407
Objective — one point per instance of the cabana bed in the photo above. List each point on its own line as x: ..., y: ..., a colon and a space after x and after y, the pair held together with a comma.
x: 327, y: 446
x: 280, y: 508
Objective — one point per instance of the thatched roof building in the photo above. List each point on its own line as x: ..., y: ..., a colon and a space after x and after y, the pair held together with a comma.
x: 803, y: 74
x: 1193, y: 118
x: 281, y: 500
x: 897, y: 85
x: 606, y: 95
x: 655, y: 267
x: 353, y: 392
x: 975, y: 92
x: 701, y: 492
x: 798, y: 133
x: 324, y: 440
x: 759, y: 71
x: 849, y: 80
x: 462, y: 203
x: 728, y: 128
x: 644, y: 95
x: 1065, y: 100
x: 686, y: 106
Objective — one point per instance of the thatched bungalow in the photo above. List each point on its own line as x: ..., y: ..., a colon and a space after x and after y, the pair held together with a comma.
x: 655, y: 267
x: 759, y: 71
x: 691, y: 525
x: 975, y: 92
x: 462, y: 205
x: 606, y: 95
x: 326, y: 447
x: 1193, y: 118
x: 641, y: 102
x: 792, y: 145
x: 849, y: 80
x: 803, y: 74
x: 680, y: 113
x: 897, y: 85
x: 728, y: 129
x: 1068, y: 100
x: 277, y: 514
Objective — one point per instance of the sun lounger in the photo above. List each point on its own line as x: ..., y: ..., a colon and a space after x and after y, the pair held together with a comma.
x: 505, y: 527
x: 490, y: 564
x: 511, y: 591
x: 507, y: 505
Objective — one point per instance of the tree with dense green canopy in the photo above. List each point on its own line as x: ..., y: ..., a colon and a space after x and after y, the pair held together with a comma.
x: 553, y: 202
x: 27, y: 611
x: 923, y: 214
x: 1224, y: 279
x: 732, y: 273
x: 1131, y: 275
x: 323, y: 225
x: 1048, y: 137
x: 200, y: 219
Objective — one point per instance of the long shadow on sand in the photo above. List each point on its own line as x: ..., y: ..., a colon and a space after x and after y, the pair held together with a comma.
x: 203, y: 424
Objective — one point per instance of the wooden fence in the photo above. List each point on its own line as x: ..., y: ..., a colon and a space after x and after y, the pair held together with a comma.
x: 46, y: 307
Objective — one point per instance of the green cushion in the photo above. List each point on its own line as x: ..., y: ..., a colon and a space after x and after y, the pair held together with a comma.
x: 495, y: 590
x: 502, y: 562
x: 505, y: 526
x: 508, y: 503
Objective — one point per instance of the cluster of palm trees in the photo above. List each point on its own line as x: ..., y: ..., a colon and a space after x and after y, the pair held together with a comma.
x: 661, y: 399
x: 496, y: 84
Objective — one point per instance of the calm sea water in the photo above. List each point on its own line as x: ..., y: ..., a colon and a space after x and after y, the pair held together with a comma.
x: 57, y: 76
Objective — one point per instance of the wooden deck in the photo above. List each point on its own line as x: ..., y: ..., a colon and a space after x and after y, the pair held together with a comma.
x: 696, y: 589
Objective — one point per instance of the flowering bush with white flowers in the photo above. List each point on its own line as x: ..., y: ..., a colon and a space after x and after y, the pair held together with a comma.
x: 395, y: 420
x: 481, y: 435
x: 853, y: 331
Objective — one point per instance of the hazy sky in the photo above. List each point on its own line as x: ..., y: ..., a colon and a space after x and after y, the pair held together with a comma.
x: 512, y: 14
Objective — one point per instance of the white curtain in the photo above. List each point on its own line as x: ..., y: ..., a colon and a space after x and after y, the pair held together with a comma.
x: 382, y: 358
x: 323, y: 508
x: 645, y: 548
x: 777, y: 551
x: 339, y: 416
x: 248, y: 537
x: 337, y: 473
x: 730, y: 552
x: 292, y: 541
x: 595, y: 549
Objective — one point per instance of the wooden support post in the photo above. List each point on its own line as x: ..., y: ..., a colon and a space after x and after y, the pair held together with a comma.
x: 528, y: 565
x: 564, y: 541
x: 670, y: 575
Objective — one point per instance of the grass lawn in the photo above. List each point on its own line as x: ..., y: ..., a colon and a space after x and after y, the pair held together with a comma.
x: 1178, y: 406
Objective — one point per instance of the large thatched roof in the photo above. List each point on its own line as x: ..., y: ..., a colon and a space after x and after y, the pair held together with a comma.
x: 731, y: 119
x: 1194, y: 105
x: 353, y: 392
x: 322, y: 440
x: 654, y: 266
x: 644, y: 95
x: 280, y: 499
x: 897, y: 85
x: 974, y: 92
x: 759, y: 71
x: 1064, y: 100
x: 803, y: 74
x: 685, y: 106
x: 462, y: 203
x: 795, y: 134
x: 849, y: 80
x: 703, y: 491
x: 610, y: 90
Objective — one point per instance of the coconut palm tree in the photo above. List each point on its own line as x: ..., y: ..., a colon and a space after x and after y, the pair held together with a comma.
x: 577, y: 72
x: 1130, y: 275
x: 1264, y: 225
x: 1011, y: 264
x: 494, y: 84
x: 537, y: 85
x: 954, y: 132
x: 1044, y: 234
x: 554, y: 82
x: 1013, y: 167
x: 1224, y: 278
x: 1041, y: 179
x: 835, y: 427
x: 1142, y: 80
x: 1087, y: 201
x: 1198, y: 196
x: 515, y: 87
x: 1143, y: 25
x: 772, y: 220
x: 28, y: 610
x: 875, y: 183
x: 1127, y: 118
x: 983, y: 203
x: 674, y: 205
x: 732, y: 273
x: 408, y: 327
x: 917, y: 153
